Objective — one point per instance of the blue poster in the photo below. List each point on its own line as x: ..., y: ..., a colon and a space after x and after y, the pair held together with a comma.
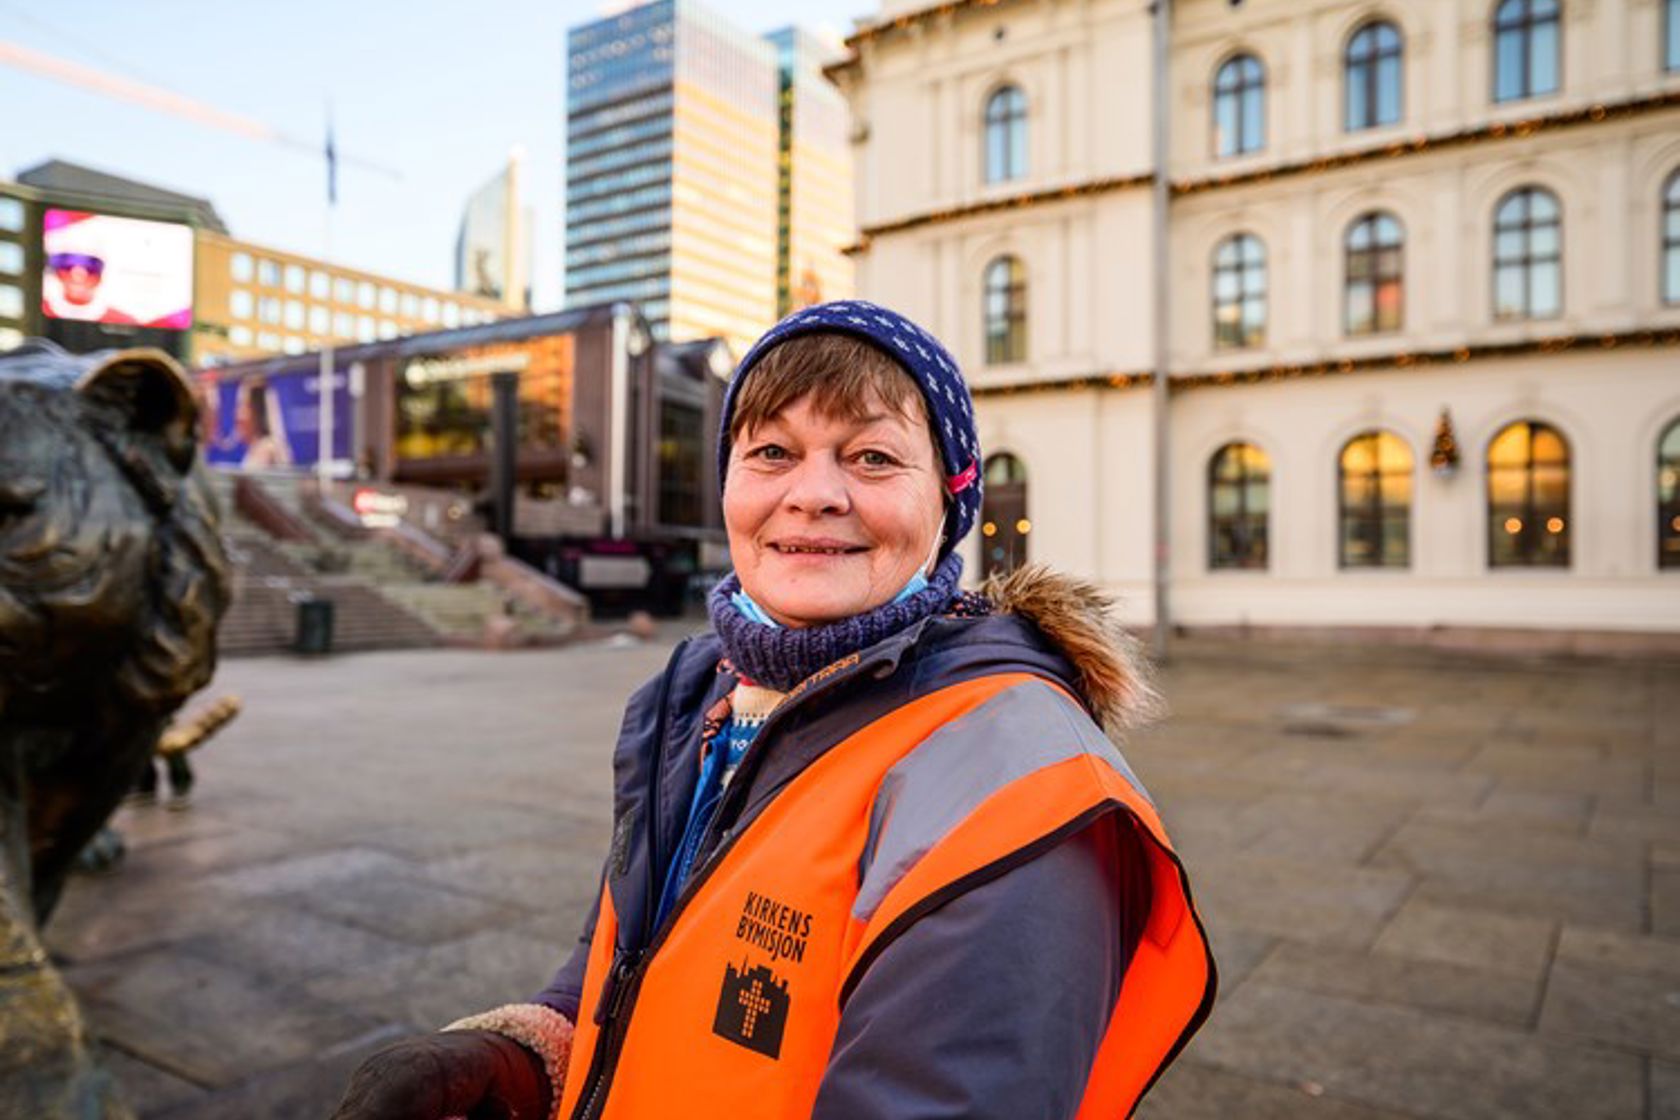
x: 273, y: 421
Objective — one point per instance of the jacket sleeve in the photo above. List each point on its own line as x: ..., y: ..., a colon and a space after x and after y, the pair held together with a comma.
x: 565, y: 991
x: 992, y: 1007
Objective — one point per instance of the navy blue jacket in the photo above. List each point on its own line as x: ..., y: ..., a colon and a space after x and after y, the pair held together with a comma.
x: 992, y: 1005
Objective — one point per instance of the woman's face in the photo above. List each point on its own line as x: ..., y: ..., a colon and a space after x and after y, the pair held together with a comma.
x: 829, y: 518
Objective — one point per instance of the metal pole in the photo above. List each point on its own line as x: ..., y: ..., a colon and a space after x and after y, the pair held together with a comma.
x: 1159, y: 394
x: 504, y: 436
x: 324, y: 383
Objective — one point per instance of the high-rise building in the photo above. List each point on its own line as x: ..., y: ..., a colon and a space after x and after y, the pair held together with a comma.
x: 493, y: 247
x: 813, y: 174
x: 673, y: 138
x: 1421, y: 285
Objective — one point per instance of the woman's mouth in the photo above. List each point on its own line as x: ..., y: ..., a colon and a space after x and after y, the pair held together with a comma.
x: 816, y: 548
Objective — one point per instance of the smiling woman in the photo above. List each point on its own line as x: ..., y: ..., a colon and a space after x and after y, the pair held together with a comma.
x: 873, y: 853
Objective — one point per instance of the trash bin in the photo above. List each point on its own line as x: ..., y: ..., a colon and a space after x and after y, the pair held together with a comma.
x: 314, y: 632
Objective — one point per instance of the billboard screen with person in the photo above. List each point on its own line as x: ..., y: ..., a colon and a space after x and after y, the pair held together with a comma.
x: 268, y: 421
x: 103, y: 269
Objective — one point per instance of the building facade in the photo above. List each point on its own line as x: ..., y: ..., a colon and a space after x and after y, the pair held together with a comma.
x: 1422, y: 300
x: 813, y: 175
x: 674, y: 138
x: 251, y: 301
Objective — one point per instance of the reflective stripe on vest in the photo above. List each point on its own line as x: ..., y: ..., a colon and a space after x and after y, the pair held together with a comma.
x: 738, y: 1006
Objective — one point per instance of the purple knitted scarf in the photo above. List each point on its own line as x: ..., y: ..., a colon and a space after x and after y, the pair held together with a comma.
x: 781, y: 657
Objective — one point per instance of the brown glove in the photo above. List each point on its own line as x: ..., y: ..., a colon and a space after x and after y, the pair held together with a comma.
x: 476, y: 1074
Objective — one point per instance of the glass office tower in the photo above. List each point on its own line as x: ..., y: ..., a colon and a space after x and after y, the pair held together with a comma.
x: 671, y: 156
x: 814, y: 219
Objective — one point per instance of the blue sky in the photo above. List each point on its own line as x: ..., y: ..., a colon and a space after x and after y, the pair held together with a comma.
x: 437, y: 92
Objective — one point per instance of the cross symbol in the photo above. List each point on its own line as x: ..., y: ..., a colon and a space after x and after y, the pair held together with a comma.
x: 756, y: 1003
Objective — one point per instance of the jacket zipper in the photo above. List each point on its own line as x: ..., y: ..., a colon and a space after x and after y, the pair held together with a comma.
x: 624, y: 963
x: 624, y: 982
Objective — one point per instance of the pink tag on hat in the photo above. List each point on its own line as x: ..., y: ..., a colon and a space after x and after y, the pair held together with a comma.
x: 957, y: 483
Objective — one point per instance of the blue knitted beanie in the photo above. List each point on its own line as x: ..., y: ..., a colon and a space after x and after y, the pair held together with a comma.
x: 929, y: 365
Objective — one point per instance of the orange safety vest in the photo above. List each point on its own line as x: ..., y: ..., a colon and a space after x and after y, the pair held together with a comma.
x: 734, y: 1010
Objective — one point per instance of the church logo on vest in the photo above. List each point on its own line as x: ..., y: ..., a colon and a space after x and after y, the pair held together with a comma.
x: 752, y: 1010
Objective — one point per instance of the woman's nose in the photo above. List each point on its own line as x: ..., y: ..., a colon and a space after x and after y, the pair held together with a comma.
x: 818, y: 485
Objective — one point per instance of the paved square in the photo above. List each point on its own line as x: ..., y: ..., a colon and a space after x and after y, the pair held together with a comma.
x: 1438, y: 886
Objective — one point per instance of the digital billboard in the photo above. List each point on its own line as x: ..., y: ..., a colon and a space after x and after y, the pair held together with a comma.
x: 104, y: 269
x: 264, y: 422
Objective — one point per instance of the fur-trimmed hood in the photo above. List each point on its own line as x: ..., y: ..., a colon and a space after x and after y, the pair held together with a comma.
x: 1081, y: 621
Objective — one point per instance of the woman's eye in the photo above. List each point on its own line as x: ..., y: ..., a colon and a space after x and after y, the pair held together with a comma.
x: 876, y: 459
x: 772, y: 451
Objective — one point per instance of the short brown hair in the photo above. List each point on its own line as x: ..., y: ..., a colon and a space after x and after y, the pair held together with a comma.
x: 845, y: 377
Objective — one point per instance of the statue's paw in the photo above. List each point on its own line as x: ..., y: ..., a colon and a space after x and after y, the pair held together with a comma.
x: 103, y: 854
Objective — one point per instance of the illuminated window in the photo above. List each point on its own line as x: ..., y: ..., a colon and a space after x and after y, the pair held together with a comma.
x: 11, y: 302
x: 365, y: 329
x: 1525, y: 49
x: 1528, y: 497
x: 268, y: 272
x: 294, y: 278
x: 1239, y: 292
x: 320, y: 320
x: 1003, y: 515
x: 387, y: 329
x: 1006, y: 135
x: 239, y: 267
x: 294, y: 315
x: 268, y: 310
x: 1528, y: 255
x: 344, y: 324
x: 1374, y: 268
x: 388, y: 301
x: 293, y: 344
x: 10, y: 339
x: 1006, y: 311
x: 1375, y: 472
x: 239, y: 335
x: 1373, y: 76
x: 344, y: 290
x: 1668, y: 497
x: 1239, y: 107
x: 11, y: 215
x: 11, y: 258
x: 410, y: 305
x: 1671, y: 34
x: 451, y: 314
x: 1239, y: 505
x: 239, y: 304
x: 365, y: 296
x: 429, y: 309
x: 320, y: 285
x: 1671, y: 239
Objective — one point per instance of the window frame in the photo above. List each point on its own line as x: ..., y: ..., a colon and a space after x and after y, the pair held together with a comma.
x: 1527, y: 260
x: 1375, y: 510
x: 1530, y: 554
x: 1377, y: 279
x: 1004, y: 116
x: 1242, y: 86
x: 1668, y: 239
x: 1241, y: 268
x: 1668, y: 511
x: 1524, y: 27
x: 1008, y: 345
x: 1247, y: 561
x: 1370, y: 62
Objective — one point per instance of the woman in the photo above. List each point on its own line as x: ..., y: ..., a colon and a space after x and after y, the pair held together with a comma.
x: 873, y: 855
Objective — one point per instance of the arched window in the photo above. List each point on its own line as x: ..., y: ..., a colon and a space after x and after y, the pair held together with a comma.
x: 1528, y: 497
x: 1006, y: 311
x: 1239, y: 501
x: 1373, y: 76
x: 1376, y: 501
x: 1525, y: 49
x: 1006, y: 135
x: 1375, y: 269
x: 1527, y: 255
x: 1671, y: 238
x: 1668, y: 497
x: 1239, y: 106
x: 1003, y: 516
x: 1239, y: 292
x: 1671, y: 35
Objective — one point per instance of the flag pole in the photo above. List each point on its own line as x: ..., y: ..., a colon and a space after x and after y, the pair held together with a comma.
x: 324, y: 381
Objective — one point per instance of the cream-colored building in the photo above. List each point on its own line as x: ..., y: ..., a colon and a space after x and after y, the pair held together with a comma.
x: 1423, y: 294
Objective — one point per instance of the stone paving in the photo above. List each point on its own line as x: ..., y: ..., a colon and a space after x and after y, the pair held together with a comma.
x: 1437, y: 886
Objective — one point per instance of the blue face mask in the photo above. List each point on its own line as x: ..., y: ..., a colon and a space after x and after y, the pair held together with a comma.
x: 744, y: 602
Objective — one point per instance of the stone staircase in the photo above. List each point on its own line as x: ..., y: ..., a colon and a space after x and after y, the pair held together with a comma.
x: 383, y: 598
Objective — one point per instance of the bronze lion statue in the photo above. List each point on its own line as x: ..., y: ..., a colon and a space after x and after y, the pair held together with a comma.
x: 112, y: 580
